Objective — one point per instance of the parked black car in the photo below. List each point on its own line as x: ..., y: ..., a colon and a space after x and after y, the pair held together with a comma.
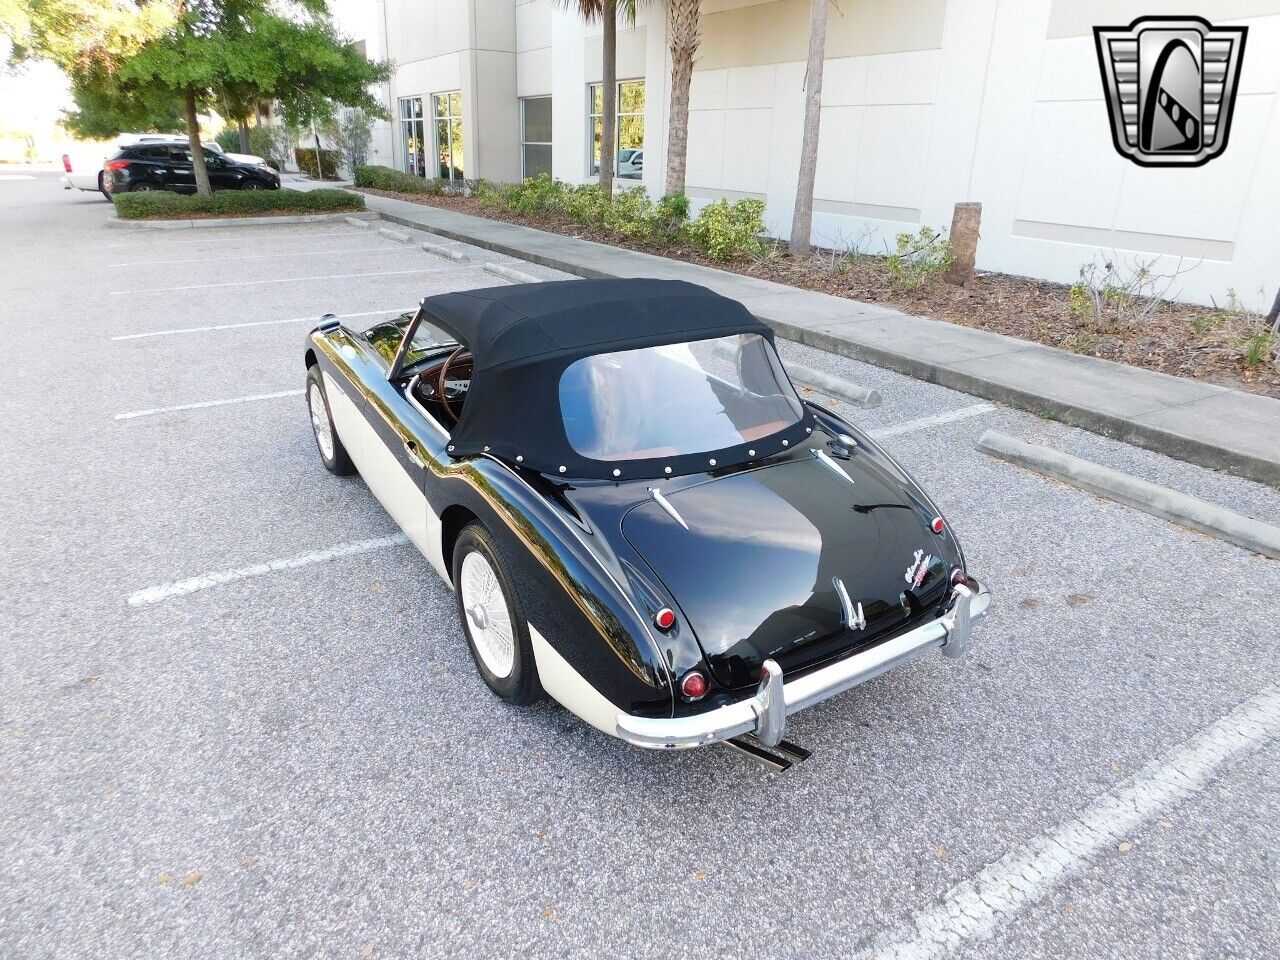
x: 167, y: 166
x: 639, y: 513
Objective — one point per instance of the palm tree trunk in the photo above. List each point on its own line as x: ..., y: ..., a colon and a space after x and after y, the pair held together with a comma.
x: 244, y: 135
x: 203, y: 187
x: 682, y: 25
x: 802, y: 220
x: 609, y: 95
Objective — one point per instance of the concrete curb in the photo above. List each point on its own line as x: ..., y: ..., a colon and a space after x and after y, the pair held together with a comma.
x: 1186, y: 511
x: 237, y: 221
x: 449, y: 253
x: 361, y: 222
x: 508, y: 273
x: 394, y: 234
x: 843, y: 390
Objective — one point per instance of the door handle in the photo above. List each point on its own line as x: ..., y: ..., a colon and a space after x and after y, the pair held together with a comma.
x: 414, y: 453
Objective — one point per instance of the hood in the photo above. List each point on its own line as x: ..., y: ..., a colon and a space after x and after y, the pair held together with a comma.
x: 754, y: 571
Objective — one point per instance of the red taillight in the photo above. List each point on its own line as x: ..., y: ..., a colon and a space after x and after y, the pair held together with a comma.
x: 664, y: 619
x: 66, y: 162
x: 694, y: 685
x: 117, y: 164
x: 938, y: 525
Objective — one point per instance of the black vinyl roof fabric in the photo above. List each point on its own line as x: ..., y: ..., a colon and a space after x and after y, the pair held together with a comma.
x: 545, y: 322
x: 523, y: 337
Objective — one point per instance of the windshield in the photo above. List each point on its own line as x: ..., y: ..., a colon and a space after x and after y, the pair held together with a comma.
x: 387, y: 337
x: 674, y: 400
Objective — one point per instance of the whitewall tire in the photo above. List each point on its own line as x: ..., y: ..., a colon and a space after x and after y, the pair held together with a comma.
x: 332, y: 453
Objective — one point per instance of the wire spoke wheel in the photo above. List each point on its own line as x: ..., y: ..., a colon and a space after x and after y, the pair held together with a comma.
x: 487, y: 616
x: 320, y: 421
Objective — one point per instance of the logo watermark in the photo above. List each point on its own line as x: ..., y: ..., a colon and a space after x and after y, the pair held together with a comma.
x: 1171, y: 87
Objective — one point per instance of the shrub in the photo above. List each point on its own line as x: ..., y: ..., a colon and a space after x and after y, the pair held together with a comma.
x: 724, y: 230
x: 161, y: 205
x: 397, y: 181
x: 918, y: 259
x: 307, y: 163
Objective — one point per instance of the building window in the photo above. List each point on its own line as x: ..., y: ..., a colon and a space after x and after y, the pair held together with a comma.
x: 535, y: 136
x: 413, y: 155
x: 446, y: 112
x: 629, y: 135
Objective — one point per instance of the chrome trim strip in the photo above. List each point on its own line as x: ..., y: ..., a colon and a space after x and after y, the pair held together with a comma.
x: 665, y: 504
x: 758, y: 714
x: 825, y: 458
x: 850, y: 612
x: 413, y: 402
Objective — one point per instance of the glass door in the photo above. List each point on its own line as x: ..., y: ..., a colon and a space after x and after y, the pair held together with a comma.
x: 413, y: 147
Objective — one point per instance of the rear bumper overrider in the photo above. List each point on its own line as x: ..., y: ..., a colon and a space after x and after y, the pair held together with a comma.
x: 765, y: 714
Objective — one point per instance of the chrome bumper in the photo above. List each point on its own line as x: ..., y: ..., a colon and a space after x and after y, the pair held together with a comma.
x: 765, y: 714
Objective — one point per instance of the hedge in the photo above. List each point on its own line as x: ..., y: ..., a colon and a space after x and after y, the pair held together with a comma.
x: 397, y: 181
x: 161, y: 205
x: 307, y: 163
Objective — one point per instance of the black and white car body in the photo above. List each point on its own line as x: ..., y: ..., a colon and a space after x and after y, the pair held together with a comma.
x: 638, y: 513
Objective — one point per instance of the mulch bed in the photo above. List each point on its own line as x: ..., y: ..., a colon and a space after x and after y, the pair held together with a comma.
x: 1028, y: 309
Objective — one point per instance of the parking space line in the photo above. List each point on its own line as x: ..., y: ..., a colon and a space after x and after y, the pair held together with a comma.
x: 254, y: 323
x: 937, y: 420
x: 251, y: 283
x: 975, y: 909
x: 272, y: 256
x: 133, y: 414
x: 181, y: 588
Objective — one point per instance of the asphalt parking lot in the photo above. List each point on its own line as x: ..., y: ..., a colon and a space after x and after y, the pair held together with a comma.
x: 305, y: 763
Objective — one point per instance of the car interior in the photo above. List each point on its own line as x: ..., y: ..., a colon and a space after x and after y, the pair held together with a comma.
x: 441, y: 385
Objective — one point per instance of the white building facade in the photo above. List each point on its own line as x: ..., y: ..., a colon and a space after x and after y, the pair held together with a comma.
x: 925, y: 104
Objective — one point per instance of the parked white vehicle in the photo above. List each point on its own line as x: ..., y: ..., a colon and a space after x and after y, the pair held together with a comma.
x: 82, y: 172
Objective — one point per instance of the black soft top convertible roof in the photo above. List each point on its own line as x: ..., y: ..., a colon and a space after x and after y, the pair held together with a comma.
x: 523, y: 337
x: 547, y: 322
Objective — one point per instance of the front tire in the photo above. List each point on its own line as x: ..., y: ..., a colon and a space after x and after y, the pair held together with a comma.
x: 493, y: 619
x: 332, y: 453
x: 253, y: 185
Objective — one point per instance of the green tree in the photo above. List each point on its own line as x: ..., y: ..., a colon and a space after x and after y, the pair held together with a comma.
x: 136, y: 60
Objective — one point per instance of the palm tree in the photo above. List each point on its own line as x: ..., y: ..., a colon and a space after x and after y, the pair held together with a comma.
x: 606, y: 11
x: 802, y: 220
x: 683, y: 18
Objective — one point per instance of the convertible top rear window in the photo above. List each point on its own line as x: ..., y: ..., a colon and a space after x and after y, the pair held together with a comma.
x: 676, y: 399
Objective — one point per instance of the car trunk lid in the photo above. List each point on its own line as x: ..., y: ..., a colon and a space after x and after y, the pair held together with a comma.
x: 752, y: 558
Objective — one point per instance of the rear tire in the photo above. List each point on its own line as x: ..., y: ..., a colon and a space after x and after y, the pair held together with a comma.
x: 493, y: 619
x: 102, y: 187
x: 332, y: 453
x: 143, y: 187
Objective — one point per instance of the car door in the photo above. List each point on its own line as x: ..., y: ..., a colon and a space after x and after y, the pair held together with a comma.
x: 222, y: 175
x: 178, y: 173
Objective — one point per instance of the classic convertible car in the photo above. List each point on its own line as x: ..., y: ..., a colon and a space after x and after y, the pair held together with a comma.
x: 637, y: 512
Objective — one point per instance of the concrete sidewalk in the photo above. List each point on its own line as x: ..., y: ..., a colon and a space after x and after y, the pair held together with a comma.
x: 1199, y: 422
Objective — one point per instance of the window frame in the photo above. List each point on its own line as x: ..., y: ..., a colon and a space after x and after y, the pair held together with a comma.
x: 405, y: 122
x: 449, y: 118
x: 524, y: 142
x: 592, y: 168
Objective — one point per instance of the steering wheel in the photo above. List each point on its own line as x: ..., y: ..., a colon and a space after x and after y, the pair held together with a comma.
x: 440, y: 382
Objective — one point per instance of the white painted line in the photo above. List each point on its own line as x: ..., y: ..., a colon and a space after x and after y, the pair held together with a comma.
x: 937, y: 420
x: 181, y: 588
x: 253, y: 323
x: 272, y: 256
x: 510, y: 273
x: 251, y: 283
x: 337, y: 234
x: 973, y: 910
x: 207, y: 403
x: 16, y: 176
